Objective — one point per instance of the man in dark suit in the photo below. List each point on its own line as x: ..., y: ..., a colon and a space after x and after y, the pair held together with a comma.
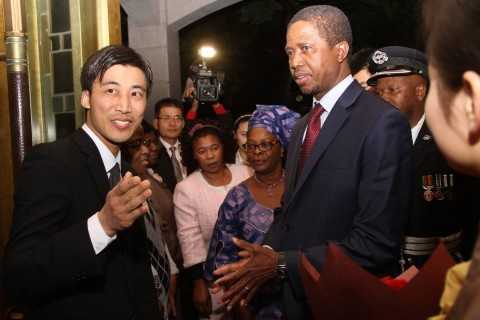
x: 169, y: 123
x: 78, y: 247
x: 348, y: 171
x: 443, y: 199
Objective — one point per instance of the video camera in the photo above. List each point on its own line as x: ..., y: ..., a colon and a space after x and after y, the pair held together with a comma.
x: 208, y: 83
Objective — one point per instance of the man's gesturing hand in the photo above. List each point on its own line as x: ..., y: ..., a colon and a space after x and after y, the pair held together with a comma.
x: 124, y: 204
x: 242, y: 279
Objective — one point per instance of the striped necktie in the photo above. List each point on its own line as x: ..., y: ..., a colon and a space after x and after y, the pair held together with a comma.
x: 158, y: 257
x: 177, y: 170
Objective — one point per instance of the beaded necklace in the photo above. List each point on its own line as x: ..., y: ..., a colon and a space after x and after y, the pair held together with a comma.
x: 269, y: 186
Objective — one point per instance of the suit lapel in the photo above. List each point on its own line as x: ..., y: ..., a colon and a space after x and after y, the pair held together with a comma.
x: 163, y: 153
x: 94, y: 161
x: 131, y: 242
x: 294, y: 148
x: 420, y: 148
x: 329, y: 130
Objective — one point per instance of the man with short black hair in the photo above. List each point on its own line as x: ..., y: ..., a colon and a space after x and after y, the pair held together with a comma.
x: 78, y: 247
x: 359, y: 66
x: 169, y: 122
x: 347, y: 174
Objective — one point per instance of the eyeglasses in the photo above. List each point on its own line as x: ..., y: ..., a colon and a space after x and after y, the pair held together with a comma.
x: 262, y: 146
x: 135, y: 144
x: 168, y: 118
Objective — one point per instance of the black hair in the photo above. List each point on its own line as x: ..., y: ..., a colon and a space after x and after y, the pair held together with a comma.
x: 205, y: 129
x: 147, y: 127
x: 243, y: 118
x: 331, y: 22
x: 167, y: 102
x: 102, y: 60
x: 452, y: 43
x: 359, y: 60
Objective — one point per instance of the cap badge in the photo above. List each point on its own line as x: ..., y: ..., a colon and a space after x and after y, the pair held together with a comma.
x: 379, y: 57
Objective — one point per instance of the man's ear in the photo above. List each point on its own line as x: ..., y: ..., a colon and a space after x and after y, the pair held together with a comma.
x: 342, y: 50
x: 155, y: 123
x: 183, y: 124
x: 85, y: 99
x: 421, y: 91
x: 471, y: 89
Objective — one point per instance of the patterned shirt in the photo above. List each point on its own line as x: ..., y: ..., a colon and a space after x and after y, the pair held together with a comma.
x: 242, y: 217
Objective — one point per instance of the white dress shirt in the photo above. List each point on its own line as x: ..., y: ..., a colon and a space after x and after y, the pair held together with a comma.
x: 417, y: 128
x: 99, y: 238
x: 178, y: 153
x: 329, y: 100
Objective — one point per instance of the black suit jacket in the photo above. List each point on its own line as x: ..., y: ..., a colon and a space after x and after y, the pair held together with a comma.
x: 354, y: 190
x: 453, y: 208
x: 164, y: 168
x: 50, y: 263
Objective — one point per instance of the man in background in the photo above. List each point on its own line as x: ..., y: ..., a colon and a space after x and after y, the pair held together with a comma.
x: 359, y: 66
x: 443, y: 199
x: 169, y: 123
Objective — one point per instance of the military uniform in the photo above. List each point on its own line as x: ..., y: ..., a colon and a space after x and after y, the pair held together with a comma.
x: 443, y: 207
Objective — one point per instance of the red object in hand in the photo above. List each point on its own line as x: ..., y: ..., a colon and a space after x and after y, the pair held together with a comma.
x: 394, y: 283
x: 219, y: 109
x: 191, y: 115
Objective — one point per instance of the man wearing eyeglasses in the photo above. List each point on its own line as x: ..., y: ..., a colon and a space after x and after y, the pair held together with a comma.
x: 169, y: 123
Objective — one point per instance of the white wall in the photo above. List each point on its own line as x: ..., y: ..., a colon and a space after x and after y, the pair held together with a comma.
x: 153, y: 27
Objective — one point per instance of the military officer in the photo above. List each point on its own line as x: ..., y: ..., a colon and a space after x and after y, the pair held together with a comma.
x: 442, y: 206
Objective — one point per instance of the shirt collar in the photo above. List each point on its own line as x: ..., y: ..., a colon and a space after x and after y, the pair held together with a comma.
x: 108, y: 159
x: 417, y: 128
x: 168, y: 145
x: 331, y: 97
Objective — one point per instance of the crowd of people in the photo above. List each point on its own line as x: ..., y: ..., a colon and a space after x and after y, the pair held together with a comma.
x: 191, y: 218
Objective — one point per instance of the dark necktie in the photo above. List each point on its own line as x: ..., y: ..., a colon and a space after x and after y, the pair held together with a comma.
x: 115, y: 176
x: 313, y: 131
x: 158, y: 257
x: 177, y: 170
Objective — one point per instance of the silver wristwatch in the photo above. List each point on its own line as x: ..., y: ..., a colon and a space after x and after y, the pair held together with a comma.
x: 281, y: 267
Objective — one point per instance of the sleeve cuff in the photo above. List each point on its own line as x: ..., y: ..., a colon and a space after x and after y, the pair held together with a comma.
x: 293, y: 272
x: 100, y: 240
